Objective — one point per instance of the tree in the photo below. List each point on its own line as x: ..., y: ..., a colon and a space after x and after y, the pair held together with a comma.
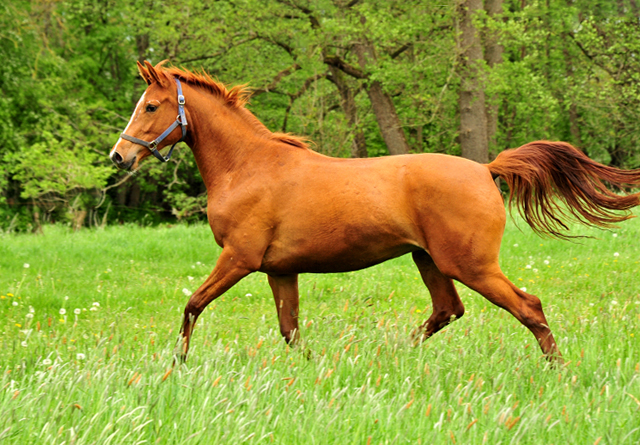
x: 473, y: 118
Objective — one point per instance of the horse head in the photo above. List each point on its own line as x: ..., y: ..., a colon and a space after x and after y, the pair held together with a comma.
x: 153, y: 124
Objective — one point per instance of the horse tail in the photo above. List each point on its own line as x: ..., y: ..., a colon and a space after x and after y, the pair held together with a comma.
x: 552, y: 183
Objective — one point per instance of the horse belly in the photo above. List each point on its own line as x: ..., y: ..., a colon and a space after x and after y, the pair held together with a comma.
x: 336, y: 249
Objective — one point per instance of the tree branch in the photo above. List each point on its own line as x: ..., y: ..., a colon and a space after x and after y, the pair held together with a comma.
x: 344, y: 66
x: 315, y: 24
x: 400, y: 50
x: 221, y: 52
x: 276, y: 80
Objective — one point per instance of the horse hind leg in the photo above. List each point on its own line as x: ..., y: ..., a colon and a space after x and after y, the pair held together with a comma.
x: 527, y: 308
x: 447, y: 305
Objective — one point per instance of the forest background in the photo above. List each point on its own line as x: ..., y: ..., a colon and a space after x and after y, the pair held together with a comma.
x: 358, y: 77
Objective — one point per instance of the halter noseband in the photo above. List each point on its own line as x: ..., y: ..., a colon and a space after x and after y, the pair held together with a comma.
x: 181, y: 120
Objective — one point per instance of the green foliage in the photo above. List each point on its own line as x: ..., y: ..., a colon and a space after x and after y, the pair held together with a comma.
x: 69, y: 83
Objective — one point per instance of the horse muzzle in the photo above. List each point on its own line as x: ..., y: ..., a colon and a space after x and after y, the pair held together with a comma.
x: 120, y: 162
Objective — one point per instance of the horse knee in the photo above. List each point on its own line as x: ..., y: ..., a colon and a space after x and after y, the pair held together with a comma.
x: 191, y: 311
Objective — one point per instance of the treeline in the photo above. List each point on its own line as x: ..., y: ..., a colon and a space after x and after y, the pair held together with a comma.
x: 358, y: 77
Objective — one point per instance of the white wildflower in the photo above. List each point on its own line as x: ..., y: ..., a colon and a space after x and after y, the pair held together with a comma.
x: 523, y: 289
x: 186, y: 291
x: 24, y: 344
x: 616, y: 254
x: 77, y: 311
x: 63, y: 311
x: 80, y: 356
x: 190, y: 278
x: 29, y: 315
x: 15, y: 303
x: 248, y: 295
x: 96, y: 304
x: 46, y: 361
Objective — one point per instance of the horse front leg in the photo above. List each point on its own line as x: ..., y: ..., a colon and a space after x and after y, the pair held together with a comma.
x: 229, y: 269
x: 285, y: 294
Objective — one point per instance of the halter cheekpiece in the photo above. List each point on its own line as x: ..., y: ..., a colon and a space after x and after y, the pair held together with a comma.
x: 181, y: 120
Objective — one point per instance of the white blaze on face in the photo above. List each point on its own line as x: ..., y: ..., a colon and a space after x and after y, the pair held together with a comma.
x: 134, y: 115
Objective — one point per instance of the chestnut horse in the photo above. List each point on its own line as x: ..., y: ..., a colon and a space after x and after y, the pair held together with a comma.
x: 277, y: 207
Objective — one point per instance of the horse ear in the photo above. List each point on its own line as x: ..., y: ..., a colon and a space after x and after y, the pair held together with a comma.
x: 155, y: 75
x: 144, y: 73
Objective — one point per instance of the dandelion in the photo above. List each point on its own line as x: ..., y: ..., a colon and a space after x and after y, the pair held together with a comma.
x: 9, y: 294
x: 615, y: 235
x: 616, y: 254
x: 77, y: 311
x: 93, y: 309
x: 31, y: 309
x: 614, y: 302
x: 29, y: 315
x: 186, y: 291
x: 96, y: 304
x: 528, y: 266
x: 46, y: 361
x: 15, y: 303
x: 26, y: 265
x: 63, y: 311
x: 24, y: 344
x: 546, y: 262
x: 190, y: 278
x: 2, y: 297
x: 80, y: 356
x: 248, y: 295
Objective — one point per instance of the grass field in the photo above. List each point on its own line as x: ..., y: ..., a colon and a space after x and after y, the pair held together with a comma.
x: 89, y: 321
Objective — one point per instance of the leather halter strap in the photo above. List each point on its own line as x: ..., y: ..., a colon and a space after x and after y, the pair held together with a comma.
x: 181, y: 121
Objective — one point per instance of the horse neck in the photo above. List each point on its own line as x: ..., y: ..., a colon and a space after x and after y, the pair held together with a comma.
x: 225, y: 140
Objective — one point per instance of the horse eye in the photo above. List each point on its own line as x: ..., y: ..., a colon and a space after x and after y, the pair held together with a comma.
x: 151, y: 108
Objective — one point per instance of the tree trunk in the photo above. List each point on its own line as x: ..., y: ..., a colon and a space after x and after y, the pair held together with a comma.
x: 473, y: 119
x: 348, y: 103
x: 383, y: 107
x: 493, y: 57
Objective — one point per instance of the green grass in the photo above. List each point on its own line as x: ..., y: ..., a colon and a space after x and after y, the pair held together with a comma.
x: 102, y: 376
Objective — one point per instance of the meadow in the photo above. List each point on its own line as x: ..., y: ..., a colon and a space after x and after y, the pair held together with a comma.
x: 89, y: 321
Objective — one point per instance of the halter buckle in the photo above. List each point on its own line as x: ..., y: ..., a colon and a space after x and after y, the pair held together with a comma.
x: 153, y: 144
x: 180, y: 99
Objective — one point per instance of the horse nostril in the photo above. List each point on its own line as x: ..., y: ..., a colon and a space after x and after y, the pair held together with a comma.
x: 117, y: 158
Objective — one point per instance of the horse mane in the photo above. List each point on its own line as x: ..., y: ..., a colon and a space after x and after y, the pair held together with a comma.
x: 235, y: 97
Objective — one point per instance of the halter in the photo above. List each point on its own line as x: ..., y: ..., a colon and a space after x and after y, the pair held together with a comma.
x: 180, y: 120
